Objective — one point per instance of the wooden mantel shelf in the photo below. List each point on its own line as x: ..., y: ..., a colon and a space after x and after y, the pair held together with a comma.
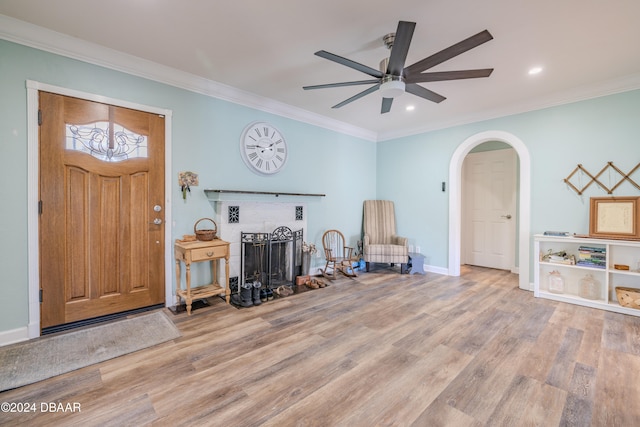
x: 210, y: 192
x: 216, y: 197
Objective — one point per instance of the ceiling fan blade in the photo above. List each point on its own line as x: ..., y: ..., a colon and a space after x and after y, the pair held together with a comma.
x: 448, y: 53
x: 400, y: 48
x: 349, y: 63
x: 357, y: 96
x: 424, y: 93
x: 448, y: 75
x: 386, y: 105
x: 328, y: 85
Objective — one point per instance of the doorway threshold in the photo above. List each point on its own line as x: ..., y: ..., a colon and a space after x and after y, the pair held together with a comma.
x: 96, y: 320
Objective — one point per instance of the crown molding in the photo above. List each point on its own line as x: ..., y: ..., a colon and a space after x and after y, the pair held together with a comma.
x: 27, y: 34
x: 577, y: 94
x: 37, y: 37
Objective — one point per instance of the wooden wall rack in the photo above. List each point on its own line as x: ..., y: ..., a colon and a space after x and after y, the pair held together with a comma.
x: 624, y: 177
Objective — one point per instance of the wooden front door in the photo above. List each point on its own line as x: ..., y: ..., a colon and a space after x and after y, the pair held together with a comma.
x: 101, y: 189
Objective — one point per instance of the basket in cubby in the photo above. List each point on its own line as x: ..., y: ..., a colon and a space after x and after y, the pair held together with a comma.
x: 205, y: 234
x: 628, y: 297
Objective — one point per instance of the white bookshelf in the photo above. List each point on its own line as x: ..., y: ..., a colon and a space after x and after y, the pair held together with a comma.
x: 623, y: 252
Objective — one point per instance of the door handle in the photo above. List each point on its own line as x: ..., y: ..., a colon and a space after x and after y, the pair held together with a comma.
x: 508, y: 216
x: 156, y: 221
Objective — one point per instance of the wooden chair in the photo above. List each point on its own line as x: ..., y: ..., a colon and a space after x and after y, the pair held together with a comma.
x: 339, y: 256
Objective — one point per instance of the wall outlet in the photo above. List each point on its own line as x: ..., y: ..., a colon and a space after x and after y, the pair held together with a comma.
x: 410, y: 248
x: 418, y: 249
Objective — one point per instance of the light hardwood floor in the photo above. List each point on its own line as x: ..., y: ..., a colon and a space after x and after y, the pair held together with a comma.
x: 381, y: 349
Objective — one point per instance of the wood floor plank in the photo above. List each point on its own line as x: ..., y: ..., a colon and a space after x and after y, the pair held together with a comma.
x: 531, y: 320
x: 237, y: 372
x: 478, y: 389
x: 617, y: 393
x: 379, y: 349
x: 528, y: 402
x: 439, y: 414
x: 358, y: 385
x: 538, y: 362
x: 589, y: 352
x: 578, y: 408
x: 479, y: 330
x: 411, y: 391
x: 564, y: 363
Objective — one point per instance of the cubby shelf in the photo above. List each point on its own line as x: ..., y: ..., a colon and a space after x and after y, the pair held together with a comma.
x: 616, y: 252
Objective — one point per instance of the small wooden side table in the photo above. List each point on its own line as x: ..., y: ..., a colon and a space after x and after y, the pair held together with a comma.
x: 198, y: 251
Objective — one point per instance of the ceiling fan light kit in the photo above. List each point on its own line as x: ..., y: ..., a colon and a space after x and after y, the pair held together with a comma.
x: 392, y: 86
x: 393, y: 79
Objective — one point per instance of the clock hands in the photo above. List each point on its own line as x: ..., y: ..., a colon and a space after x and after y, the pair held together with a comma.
x: 261, y: 147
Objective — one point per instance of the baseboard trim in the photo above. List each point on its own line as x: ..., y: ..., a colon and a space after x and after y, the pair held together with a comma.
x: 13, y: 336
x: 435, y: 269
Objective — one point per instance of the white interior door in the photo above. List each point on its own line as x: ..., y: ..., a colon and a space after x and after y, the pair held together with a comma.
x: 489, y: 209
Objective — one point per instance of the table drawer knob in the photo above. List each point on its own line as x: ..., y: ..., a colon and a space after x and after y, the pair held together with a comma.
x: 209, y: 253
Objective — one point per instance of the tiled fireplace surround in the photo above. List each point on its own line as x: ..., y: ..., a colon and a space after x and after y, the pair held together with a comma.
x: 262, y: 215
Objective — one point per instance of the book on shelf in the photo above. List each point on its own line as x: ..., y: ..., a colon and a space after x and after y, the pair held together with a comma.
x: 592, y: 256
x: 596, y: 249
x: 592, y: 263
x: 557, y: 233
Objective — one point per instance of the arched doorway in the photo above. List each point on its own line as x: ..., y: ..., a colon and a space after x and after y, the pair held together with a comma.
x: 455, y: 200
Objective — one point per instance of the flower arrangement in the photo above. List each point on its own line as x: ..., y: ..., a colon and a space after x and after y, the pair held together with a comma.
x: 309, y: 247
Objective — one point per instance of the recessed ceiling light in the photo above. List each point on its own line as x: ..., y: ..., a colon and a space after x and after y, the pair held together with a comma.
x: 410, y: 108
x: 535, y: 70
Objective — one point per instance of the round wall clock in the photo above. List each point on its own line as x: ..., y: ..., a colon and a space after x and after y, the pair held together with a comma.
x: 263, y: 148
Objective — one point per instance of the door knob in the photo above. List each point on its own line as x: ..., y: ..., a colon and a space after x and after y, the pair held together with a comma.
x: 156, y: 221
x: 508, y: 216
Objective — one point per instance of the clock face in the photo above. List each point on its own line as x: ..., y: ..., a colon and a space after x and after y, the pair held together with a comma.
x: 263, y: 148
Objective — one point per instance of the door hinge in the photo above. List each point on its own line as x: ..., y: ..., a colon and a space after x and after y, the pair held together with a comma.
x: 39, y: 117
x: 40, y: 296
x: 39, y: 207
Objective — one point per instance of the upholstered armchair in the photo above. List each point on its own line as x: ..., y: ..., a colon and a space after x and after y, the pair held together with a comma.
x: 380, y: 242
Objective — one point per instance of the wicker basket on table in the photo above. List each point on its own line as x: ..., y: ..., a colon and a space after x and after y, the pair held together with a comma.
x: 628, y: 297
x: 205, y: 234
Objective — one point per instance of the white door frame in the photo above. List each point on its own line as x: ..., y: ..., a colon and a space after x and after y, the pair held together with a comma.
x: 33, y: 172
x: 455, y: 200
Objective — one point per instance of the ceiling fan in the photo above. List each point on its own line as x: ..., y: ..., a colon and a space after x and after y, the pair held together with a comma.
x: 393, y: 78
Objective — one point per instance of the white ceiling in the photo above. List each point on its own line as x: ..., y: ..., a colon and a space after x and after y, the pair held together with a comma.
x: 586, y: 48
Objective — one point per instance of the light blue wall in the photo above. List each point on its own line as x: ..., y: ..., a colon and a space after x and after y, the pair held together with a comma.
x: 348, y: 170
x: 591, y: 133
x: 205, y: 136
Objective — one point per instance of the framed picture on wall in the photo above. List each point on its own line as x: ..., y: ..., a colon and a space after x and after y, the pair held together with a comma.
x: 614, y: 217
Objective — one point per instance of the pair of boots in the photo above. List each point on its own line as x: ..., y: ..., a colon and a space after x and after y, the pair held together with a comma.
x: 249, y: 295
x: 266, y: 294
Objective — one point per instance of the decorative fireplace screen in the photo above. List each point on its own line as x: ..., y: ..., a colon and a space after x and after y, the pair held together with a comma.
x: 273, y: 259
